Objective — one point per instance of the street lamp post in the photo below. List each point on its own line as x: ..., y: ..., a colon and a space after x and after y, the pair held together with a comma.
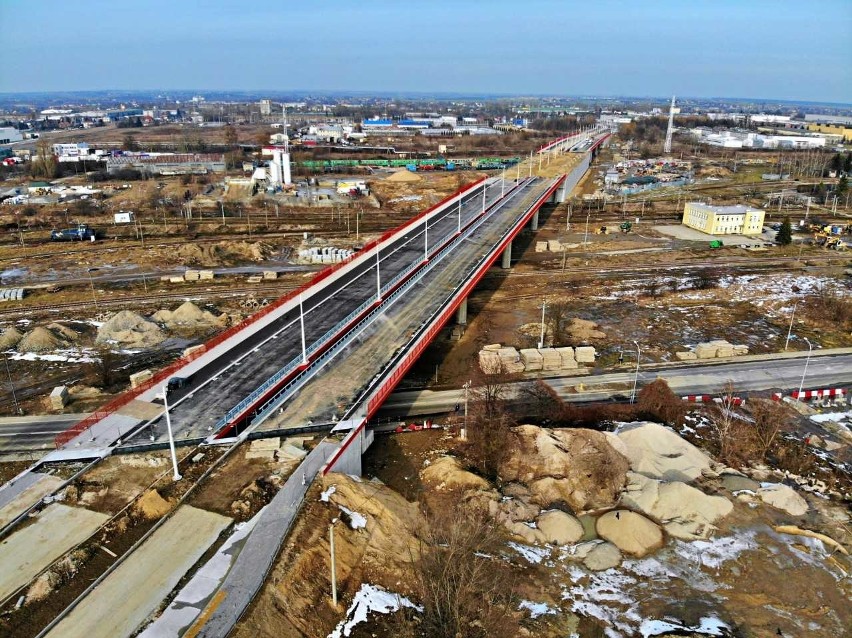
x: 378, y: 277
x: 807, y: 361
x: 176, y: 475
x: 586, y: 238
x: 466, y: 387
x: 333, y: 565
x: 636, y: 376
x: 543, y: 308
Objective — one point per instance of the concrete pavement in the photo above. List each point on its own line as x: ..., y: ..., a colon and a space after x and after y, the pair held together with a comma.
x: 763, y: 372
x: 261, y: 548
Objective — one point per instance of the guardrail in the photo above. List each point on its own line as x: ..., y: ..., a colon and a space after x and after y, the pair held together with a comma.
x: 398, y: 284
x: 374, y: 402
x: 160, y: 377
x: 432, y: 326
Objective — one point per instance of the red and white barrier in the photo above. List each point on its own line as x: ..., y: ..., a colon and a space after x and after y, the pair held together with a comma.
x: 697, y: 398
x: 807, y: 395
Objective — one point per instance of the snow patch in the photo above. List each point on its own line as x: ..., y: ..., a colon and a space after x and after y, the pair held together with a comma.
x: 709, y: 626
x: 536, y: 609
x: 324, y: 496
x: 370, y: 598
x: 356, y: 520
x: 532, y: 554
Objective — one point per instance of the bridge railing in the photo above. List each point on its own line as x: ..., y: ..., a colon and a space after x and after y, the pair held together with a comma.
x: 350, y: 322
x: 164, y: 374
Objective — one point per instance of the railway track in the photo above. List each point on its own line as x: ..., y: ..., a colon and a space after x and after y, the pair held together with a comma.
x: 268, y: 290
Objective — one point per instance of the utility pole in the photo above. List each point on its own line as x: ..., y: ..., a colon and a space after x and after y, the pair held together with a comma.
x: 636, y: 376
x: 12, y: 385
x: 176, y: 476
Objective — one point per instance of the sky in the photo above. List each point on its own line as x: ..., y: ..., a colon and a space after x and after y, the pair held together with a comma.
x: 772, y: 49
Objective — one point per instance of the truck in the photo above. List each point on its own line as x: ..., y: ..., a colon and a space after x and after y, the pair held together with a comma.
x: 81, y: 233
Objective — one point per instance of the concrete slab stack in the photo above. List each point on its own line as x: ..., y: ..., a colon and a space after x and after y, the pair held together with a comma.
x: 541, y: 246
x: 550, y: 360
x: 705, y: 351
x: 191, y: 275
x: 489, y: 362
x: 511, y: 361
x: 532, y: 359
x: 554, y: 245
x: 584, y: 354
x: 566, y: 357
x: 59, y: 397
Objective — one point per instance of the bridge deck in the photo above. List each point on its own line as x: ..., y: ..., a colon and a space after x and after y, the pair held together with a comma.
x: 333, y: 389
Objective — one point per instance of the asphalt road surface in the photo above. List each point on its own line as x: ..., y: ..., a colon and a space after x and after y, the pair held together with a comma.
x: 222, y: 384
x: 747, y: 376
x: 28, y: 433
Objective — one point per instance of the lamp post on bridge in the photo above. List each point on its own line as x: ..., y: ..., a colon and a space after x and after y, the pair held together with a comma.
x: 636, y: 376
x: 176, y: 476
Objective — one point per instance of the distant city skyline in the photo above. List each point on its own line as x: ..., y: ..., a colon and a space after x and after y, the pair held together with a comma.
x: 762, y: 49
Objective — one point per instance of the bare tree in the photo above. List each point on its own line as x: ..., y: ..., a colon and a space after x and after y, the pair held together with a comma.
x: 770, y: 419
x: 465, y: 593
x: 558, y: 315
x: 658, y: 402
x: 725, y: 424
x: 489, y: 420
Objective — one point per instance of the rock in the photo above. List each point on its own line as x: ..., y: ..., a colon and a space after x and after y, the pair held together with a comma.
x: 445, y: 473
x: 602, y: 557
x: 577, y: 467
x: 632, y: 533
x: 684, y: 511
x: 515, y: 509
x: 783, y: 497
x: 735, y: 483
x: 559, y: 528
x: 529, y: 534
x: 658, y: 452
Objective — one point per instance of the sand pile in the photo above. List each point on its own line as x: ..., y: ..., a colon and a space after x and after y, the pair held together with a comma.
x: 403, y: 176
x: 40, y: 340
x: 10, y: 338
x: 584, y: 330
x: 151, y: 505
x: 223, y: 253
x: 189, y: 316
x: 130, y: 329
x: 63, y: 332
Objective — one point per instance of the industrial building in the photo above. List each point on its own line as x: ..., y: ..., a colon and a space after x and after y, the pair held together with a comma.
x: 168, y: 163
x: 723, y: 220
x: 10, y: 135
x: 839, y: 131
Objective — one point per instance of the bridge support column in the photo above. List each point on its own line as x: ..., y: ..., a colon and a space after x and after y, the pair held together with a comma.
x: 461, y: 313
x: 507, y: 257
x: 534, y: 222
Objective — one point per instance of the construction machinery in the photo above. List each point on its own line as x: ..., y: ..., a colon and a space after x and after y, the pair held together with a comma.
x: 625, y: 227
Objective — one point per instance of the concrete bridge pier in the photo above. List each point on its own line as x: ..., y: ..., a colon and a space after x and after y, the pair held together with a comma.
x: 506, y: 263
x: 461, y: 313
x: 533, y: 222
